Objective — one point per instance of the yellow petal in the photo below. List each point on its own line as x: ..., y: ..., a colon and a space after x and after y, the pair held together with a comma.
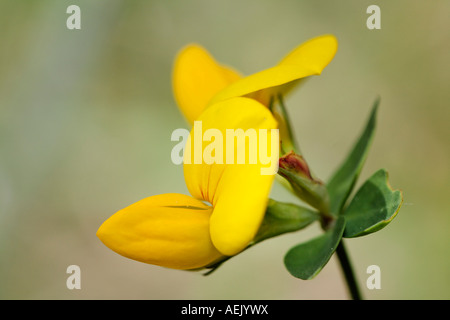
x: 238, y: 192
x: 242, y: 197
x: 169, y: 230
x: 310, y: 58
x: 197, y: 77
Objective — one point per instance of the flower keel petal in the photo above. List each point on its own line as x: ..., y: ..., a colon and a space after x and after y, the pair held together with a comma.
x: 168, y: 230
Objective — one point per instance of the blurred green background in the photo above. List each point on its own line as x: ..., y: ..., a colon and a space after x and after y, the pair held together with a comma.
x: 86, y: 119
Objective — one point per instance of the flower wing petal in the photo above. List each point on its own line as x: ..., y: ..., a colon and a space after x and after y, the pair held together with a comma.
x: 169, y: 230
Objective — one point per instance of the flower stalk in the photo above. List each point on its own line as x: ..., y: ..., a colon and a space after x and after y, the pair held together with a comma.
x: 294, y: 168
x: 349, y: 274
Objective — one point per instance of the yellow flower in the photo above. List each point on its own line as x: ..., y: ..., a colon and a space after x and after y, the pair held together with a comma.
x: 228, y: 201
x: 170, y: 230
x: 182, y: 232
x: 199, y: 81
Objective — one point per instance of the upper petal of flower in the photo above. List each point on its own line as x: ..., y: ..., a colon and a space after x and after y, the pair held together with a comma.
x: 197, y: 77
x: 310, y: 58
x: 169, y: 230
x: 238, y: 192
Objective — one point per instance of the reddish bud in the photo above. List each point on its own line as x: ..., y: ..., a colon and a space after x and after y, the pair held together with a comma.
x: 295, y: 163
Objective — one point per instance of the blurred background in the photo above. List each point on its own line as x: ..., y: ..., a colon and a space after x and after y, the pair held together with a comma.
x: 87, y: 115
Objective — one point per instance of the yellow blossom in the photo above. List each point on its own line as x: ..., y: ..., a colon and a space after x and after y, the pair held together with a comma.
x: 220, y: 219
x: 199, y: 81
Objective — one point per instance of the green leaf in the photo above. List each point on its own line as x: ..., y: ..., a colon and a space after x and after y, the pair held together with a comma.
x: 283, y: 217
x: 307, y: 259
x: 343, y: 181
x: 373, y: 207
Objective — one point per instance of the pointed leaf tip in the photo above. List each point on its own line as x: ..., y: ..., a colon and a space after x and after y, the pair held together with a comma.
x: 344, y: 179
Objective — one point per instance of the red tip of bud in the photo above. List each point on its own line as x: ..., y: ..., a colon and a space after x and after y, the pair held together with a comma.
x: 296, y: 163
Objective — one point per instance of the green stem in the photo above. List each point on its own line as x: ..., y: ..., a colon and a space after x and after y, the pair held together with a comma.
x: 348, y: 271
x: 293, y: 142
